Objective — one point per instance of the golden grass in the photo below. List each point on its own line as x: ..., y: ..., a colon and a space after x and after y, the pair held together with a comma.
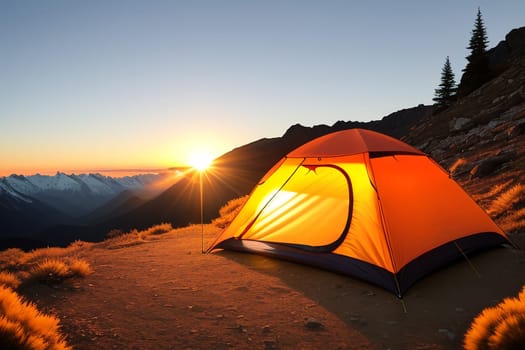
x: 79, y: 267
x: 506, y: 200
x: 9, y: 279
x: 49, y: 265
x: 509, y: 333
x: 495, y: 190
x: 56, y: 270
x: 116, y: 238
x: 11, y: 257
x: 228, y: 212
x: 158, y: 229
x: 51, y: 270
x: 23, y: 327
x: 458, y: 163
x: 501, y: 327
x: 514, y: 221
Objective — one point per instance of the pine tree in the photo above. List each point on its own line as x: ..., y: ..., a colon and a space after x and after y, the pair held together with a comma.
x: 477, y: 70
x: 478, y: 41
x: 445, y: 95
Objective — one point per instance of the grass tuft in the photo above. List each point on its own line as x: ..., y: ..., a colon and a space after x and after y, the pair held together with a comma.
x: 229, y: 211
x: 50, y: 271
x: 158, y: 229
x: 79, y: 268
x: 9, y: 279
x: 501, y: 327
x: 506, y: 200
x: 23, y: 327
x: 457, y: 164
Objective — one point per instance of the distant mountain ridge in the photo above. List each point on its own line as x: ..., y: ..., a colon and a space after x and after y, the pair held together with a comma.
x: 73, y: 194
x: 29, y: 204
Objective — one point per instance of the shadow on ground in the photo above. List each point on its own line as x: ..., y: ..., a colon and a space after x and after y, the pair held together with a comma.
x: 434, y: 313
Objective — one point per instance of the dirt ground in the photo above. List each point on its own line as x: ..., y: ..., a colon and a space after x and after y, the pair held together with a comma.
x: 165, y: 294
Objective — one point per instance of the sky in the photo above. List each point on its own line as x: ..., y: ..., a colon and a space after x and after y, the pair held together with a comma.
x: 105, y: 84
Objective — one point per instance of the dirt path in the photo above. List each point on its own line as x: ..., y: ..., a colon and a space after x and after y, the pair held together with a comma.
x: 165, y: 294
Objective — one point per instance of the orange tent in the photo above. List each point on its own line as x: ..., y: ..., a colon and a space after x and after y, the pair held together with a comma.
x: 363, y: 204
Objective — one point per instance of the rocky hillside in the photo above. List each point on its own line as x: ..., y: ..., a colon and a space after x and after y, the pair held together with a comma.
x: 481, y: 138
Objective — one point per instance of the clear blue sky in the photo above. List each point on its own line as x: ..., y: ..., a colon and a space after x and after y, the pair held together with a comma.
x: 126, y: 84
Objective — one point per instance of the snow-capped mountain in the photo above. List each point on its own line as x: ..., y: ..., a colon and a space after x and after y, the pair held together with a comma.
x: 75, y: 195
x: 32, y: 205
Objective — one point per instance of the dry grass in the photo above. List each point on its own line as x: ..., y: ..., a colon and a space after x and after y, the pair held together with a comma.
x: 48, y: 265
x: 514, y: 221
x: 22, y: 326
x: 11, y: 257
x: 157, y: 229
x: 457, y: 164
x: 9, y: 279
x: 50, y: 270
x: 122, y: 240
x: 509, y: 208
x: 228, y: 212
x: 507, y: 199
x: 494, y: 191
x: 79, y: 268
x: 56, y: 270
x: 116, y: 238
x: 38, y: 255
x: 501, y: 327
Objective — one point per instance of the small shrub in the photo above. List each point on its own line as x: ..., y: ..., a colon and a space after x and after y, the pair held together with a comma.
x: 228, y: 212
x: 50, y: 271
x: 23, y: 327
x: 9, y: 279
x: 79, y: 268
x: 499, y: 328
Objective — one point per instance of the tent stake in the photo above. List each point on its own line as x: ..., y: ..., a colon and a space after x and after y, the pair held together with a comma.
x: 405, y: 310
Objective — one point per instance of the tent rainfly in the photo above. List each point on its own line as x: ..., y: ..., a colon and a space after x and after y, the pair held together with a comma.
x: 363, y: 204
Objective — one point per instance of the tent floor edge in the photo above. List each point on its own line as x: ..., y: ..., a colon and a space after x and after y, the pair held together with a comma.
x: 328, y: 261
x: 446, y: 254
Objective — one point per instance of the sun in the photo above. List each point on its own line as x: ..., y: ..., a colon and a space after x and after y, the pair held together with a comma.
x: 200, y: 160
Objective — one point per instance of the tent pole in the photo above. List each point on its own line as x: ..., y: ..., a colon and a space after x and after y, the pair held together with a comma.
x: 468, y: 260
x: 202, y: 214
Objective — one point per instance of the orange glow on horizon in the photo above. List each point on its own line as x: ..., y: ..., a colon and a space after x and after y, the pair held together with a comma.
x: 167, y: 154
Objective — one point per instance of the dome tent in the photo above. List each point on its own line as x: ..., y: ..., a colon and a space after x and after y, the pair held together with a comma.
x: 363, y: 204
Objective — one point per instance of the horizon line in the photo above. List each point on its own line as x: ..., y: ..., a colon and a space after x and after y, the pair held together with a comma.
x: 102, y: 171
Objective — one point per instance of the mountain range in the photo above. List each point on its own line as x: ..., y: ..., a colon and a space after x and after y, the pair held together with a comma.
x: 480, y: 138
x: 30, y: 204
